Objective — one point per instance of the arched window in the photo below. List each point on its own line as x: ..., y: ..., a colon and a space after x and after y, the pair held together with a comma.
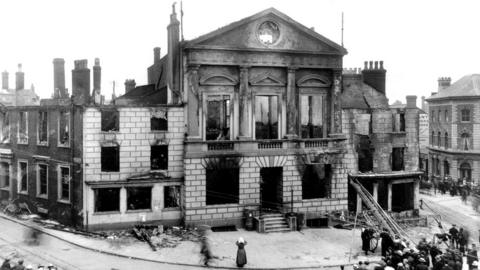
x: 465, y: 171
x: 446, y: 168
x: 439, y: 142
x: 446, y: 140
x: 465, y: 142
x: 446, y: 116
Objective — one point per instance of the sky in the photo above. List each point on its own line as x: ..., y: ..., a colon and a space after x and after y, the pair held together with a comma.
x: 419, y: 41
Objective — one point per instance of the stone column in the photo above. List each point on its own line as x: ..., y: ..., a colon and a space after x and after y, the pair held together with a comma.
x: 416, y: 194
x: 389, y: 197
x: 336, y: 123
x: 375, y: 192
x: 243, y: 108
x: 193, y: 103
x: 123, y: 200
x: 292, y: 104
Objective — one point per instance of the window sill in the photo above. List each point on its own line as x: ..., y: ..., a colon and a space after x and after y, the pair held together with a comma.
x: 64, y: 201
x: 5, y: 188
x: 42, y: 144
x: 63, y: 145
x: 22, y: 143
x: 171, y: 209
x: 317, y: 199
x: 109, y: 132
x: 221, y: 205
x: 159, y: 131
x: 106, y: 213
x: 23, y: 192
x: 42, y: 196
x: 139, y: 211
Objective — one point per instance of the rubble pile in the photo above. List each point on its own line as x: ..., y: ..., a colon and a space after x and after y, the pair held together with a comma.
x: 158, y: 237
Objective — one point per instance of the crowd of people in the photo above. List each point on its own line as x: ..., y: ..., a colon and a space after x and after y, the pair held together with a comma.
x: 19, y: 265
x: 461, y: 187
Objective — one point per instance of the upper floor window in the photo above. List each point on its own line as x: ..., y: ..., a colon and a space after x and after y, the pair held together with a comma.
x: 159, y: 157
x: 446, y: 117
x: 397, y: 158
x: 465, y: 115
x: 110, y: 120
x: 439, y: 139
x: 22, y: 133
x: 110, y: 158
x: 64, y: 183
x: 23, y: 176
x: 218, y: 117
x: 398, y: 124
x: 311, y: 110
x: 465, y: 142
x: 159, y: 120
x: 266, y: 117
x: 42, y: 128
x: 433, y: 116
x: 5, y: 129
x: 446, y: 140
x: 64, y: 129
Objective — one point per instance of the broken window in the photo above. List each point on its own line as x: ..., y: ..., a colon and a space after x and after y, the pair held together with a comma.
x: 465, y: 171
x: 365, y: 154
x: 4, y: 175
x: 5, y: 122
x: 446, y: 168
x: 42, y: 180
x: 398, y: 124
x: 139, y: 198
x: 22, y: 127
x: 64, y: 183
x: 316, y: 181
x: 23, y: 176
x: 107, y: 199
x: 110, y: 121
x: 42, y: 128
x: 110, y: 158
x: 218, y: 118
x: 311, y: 116
x: 446, y: 140
x: 171, y: 196
x: 465, y: 115
x: 402, y: 121
x: 397, y: 158
x: 465, y: 143
x: 222, y: 186
x: 64, y: 128
x: 159, y: 120
x: 403, y: 196
x: 159, y: 157
x: 266, y: 117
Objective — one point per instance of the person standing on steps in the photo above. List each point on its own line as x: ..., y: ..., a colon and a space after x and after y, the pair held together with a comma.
x: 241, y: 254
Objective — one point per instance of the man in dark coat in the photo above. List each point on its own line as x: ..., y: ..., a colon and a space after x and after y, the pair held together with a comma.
x: 387, y: 242
x: 422, y: 264
x: 453, y: 236
x: 6, y: 265
x: 19, y: 266
x: 365, y: 240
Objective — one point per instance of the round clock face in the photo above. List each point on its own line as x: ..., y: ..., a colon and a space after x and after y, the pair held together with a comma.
x: 268, y: 33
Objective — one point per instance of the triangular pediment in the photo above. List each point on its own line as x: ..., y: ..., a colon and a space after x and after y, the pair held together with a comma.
x: 267, y: 80
x: 268, y: 30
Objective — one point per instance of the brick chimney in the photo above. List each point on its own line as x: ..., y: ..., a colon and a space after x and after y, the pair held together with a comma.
x: 19, y: 78
x: 129, y: 85
x: 59, y: 90
x: 411, y: 102
x: 444, y: 83
x: 81, y: 82
x: 173, y: 58
x: 375, y: 75
x: 156, y: 55
x: 5, y: 80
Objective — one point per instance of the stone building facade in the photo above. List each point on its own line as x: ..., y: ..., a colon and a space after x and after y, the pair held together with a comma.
x: 454, y: 128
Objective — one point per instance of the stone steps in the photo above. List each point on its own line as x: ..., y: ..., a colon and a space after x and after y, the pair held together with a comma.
x: 275, y: 223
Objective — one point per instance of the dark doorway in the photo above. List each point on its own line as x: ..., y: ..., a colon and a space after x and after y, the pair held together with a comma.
x: 352, y: 194
x: 271, y: 188
x: 402, y: 197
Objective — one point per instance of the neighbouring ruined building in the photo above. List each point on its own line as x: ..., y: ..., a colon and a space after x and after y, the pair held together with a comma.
x: 453, y: 134
x: 18, y: 96
x: 383, y: 139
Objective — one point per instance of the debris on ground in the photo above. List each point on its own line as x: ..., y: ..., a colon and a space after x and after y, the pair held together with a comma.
x: 159, y: 237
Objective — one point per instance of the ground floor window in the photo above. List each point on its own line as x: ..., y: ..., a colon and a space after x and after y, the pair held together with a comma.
x: 159, y: 157
x: 446, y: 168
x: 64, y: 183
x: 465, y: 171
x: 222, y: 186
x: 398, y: 159
x: 139, y: 198
x: 4, y: 175
x: 171, y: 195
x: 316, y: 181
x: 42, y: 179
x: 402, y: 197
x: 107, y: 199
x: 23, y: 176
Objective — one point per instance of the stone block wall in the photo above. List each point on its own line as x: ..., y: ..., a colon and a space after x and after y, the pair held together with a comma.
x: 412, y: 149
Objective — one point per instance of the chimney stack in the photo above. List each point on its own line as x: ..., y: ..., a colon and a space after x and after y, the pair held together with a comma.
x: 19, y: 78
x: 97, y: 75
x: 444, y: 83
x: 173, y: 58
x: 129, y: 85
x: 375, y: 75
x: 5, y: 80
x: 156, y: 55
x: 81, y: 82
x: 411, y: 102
x: 59, y: 90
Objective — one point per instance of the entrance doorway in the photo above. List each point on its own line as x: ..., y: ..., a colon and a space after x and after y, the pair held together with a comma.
x: 271, y: 190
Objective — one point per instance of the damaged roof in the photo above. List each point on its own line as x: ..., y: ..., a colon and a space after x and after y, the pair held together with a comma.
x: 467, y: 86
x: 359, y: 95
x: 144, y: 95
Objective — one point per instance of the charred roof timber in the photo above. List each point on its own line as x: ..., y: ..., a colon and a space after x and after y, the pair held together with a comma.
x: 375, y: 75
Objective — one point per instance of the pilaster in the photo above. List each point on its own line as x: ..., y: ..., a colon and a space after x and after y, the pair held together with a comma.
x: 194, y: 104
x: 336, y: 116
x: 243, y: 104
x: 292, y: 104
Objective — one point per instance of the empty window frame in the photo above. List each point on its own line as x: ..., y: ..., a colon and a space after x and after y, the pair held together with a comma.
x: 437, y: 166
x: 218, y: 117
x: 5, y: 129
x: 4, y: 175
x: 139, y: 198
x: 465, y: 142
x: 222, y: 186
x: 110, y: 158
x: 465, y: 115
x: 311, y: 110
x: 42, y: 128
x: 159, y: 121
x: 42, y: 180
x: 23, y: 176
x: 110, y: 120
x: 107, y: 199
x: 398, y: 158
x: 316, y: 181
x: 22, y: 134
x: 64, y: 180
x: 171, y: 196
x: 159, y: 157
x: 446, y: 168
x: 439, y: 139
x: 266, y: 117
x: 446, y: 140
x: 465, y: 172
x: 64, y: 129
